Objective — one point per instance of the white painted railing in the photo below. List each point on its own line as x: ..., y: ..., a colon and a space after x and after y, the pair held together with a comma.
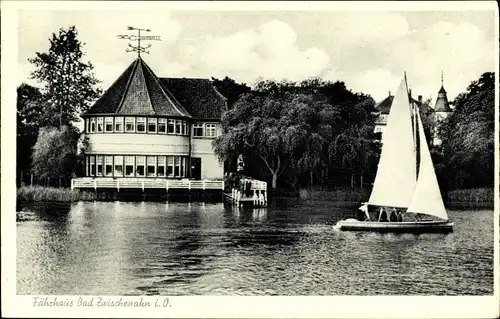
x: 146, y: 183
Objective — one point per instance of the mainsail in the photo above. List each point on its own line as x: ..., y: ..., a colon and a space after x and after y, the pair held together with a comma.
x: 427, y: 196
x: 396, y: 174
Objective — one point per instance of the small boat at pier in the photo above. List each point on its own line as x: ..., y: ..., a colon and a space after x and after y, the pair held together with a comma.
x: 405, y: 195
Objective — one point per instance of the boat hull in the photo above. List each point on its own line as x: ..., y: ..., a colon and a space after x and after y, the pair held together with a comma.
x: 397, y: 227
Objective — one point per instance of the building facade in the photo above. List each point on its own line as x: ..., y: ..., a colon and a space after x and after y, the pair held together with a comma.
x: 159, y: 128
x: 383, y: 108
x: 441, y: 111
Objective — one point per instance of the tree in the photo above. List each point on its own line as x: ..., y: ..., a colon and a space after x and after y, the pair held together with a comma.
x: 55, y: 153
x: 69, y: 84
x: 230, y: 89
x: 29, y: 117
x: 468, y: 136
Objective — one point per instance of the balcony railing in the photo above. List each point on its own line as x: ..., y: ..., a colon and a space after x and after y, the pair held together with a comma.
x: 146, y: 183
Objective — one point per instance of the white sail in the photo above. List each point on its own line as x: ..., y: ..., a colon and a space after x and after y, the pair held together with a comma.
x: 396, y: 174
x: 427, y: 197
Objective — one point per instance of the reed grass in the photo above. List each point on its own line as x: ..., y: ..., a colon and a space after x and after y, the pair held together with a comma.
x: 336, y: 194
x: 475, y: 195
x: 44, y: 194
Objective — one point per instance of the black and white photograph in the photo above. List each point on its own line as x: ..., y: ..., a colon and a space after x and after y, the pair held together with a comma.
x: 163, y: 158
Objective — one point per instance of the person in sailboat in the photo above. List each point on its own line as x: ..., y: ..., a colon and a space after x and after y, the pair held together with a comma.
x: 382, y: 215
x: 400, y: 216
x: 393, y: 216
x: 363, y: 214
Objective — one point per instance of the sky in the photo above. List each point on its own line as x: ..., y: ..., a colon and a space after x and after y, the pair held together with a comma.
x: 369, y: 51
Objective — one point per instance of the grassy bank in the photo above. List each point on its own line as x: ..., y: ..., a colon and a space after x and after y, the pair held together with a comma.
x: 51, y: 194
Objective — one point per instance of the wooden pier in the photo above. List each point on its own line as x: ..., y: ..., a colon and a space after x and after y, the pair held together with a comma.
x: 246, y: 191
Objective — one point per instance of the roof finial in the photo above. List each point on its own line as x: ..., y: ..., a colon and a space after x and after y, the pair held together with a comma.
x: 441, y: 78
x: 138, y: 38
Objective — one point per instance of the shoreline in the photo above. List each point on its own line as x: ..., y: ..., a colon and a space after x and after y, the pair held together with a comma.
x: 457, y: 199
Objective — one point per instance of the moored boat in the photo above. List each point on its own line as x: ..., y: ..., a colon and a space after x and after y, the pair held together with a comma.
x: 405, y: 195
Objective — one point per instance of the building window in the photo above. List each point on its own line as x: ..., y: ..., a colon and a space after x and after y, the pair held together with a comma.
x: 92, y: 165
x: 183, y: 166
x: 87, y: 164
x: 119, y: 166
x: 183, y: 128
x: 151, y: 166
x: 177, y: 127
x: 92, y: 125
x: 130, y: 124
x: 140, y: 166
x: 170, y: 166
x: 170, y: 126
x: 87, y: 125
x: 177, y: 168
x: 210, y: 130
x: 108, y: 124
x: 129, y: 166
x: 162, y: 126
x: 100, y: 124
x: 119, y: 124
x: 198, y: 130
x: 141, y: 124
x: 161, y: 166
x: 100, y: 160
x: 108, y: 167
x: 152, y: 125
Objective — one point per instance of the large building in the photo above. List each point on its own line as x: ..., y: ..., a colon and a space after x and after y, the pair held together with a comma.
x: 441, y: 111
x: 145, y: 127
x: 383, y: 107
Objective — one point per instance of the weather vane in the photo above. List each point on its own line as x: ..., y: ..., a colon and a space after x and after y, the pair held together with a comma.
x: 138, y: 48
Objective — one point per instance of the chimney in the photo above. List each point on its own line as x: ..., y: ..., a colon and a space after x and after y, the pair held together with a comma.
x: 420, y: 98
x: 389, y: 93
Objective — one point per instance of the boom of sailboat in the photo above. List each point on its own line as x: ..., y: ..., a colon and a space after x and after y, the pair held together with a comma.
x: 405, y: 183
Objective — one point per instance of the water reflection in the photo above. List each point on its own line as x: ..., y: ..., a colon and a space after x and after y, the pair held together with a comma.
x: 171, y: 248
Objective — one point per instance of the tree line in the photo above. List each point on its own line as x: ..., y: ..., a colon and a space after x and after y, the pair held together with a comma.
x: 292, y: 134
x: 319, y: 133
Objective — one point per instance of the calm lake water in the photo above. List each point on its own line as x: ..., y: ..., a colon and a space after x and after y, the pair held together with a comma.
x: 146, y: 248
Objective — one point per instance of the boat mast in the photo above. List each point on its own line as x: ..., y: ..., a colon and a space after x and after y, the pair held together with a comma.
x: 414, y: 124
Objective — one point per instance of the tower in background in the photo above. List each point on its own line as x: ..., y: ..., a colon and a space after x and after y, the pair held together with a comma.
x: 441, y: 110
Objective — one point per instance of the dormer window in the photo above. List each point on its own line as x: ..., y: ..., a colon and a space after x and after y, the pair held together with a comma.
x: 141, y: 124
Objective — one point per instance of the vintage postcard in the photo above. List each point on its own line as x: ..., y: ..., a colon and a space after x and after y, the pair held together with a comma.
x: 250, y: 159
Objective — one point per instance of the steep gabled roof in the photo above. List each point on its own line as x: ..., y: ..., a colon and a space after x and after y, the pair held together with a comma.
x: 384, y: 106
x: 138, y: 92
x: 198, y: 96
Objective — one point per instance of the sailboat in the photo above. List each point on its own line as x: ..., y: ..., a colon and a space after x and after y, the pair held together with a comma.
x: 405, y: 185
